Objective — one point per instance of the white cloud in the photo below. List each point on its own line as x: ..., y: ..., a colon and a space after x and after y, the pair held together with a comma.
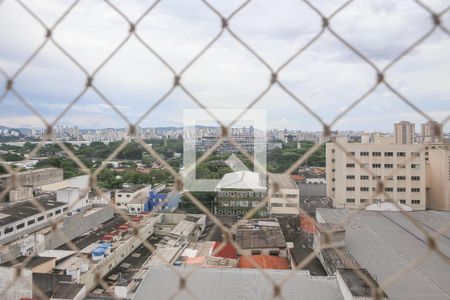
x: 327, y: 76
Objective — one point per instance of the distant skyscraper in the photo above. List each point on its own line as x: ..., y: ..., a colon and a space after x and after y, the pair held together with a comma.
x: 404, y: 132
x: 431, y: 132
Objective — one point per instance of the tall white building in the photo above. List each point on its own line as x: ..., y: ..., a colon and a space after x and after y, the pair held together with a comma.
x: 412, y: 175
x: 401, y: 167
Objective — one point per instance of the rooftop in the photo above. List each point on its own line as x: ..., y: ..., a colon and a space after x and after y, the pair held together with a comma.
x: 264, y: 262
x: 30, y: 263
x: 242, y: 180
x: 12, y: 212
x: 30, y: 172
x: 386, y: 242
x: 284, y: 181
x: 260, y: 238
x: 132, y: 189
x: 357, y: 286
x: 67, y: 290
x: 214, y: 283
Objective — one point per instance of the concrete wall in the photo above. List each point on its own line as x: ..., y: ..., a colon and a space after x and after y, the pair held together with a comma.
x: 80, y: 182
x: 14, y: 288
x: 75, y: 225
x: 20, y: 193
x: 438, y: 176
x: 47, y: 282
x: 34, y: 177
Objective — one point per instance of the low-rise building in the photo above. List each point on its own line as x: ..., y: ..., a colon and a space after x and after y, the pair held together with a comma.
x: 28, y: 216
x: 162, y: 198
x: 261, y: 237
x: 284, y: 201
x: 130, y: 194
x: 239, y: 192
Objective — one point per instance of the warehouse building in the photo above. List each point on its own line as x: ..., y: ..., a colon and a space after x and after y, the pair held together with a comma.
x: 386, y: 242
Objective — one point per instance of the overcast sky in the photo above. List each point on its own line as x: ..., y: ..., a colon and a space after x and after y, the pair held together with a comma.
x: 327, y: 76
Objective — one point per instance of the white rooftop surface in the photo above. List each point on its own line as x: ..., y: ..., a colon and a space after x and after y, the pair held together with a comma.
x: 385, y: 242
x: 58, y: 254
x: 231, y: 283
x: 162, y: 256
x: 89, y: 248
x: 242, y: 180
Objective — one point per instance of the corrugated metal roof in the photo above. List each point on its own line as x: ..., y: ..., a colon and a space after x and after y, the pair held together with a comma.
x: 231, y: 283
x: 385, y: 242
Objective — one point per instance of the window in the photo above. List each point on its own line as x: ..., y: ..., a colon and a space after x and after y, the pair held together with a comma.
x: 350, y: 188
x: 415, y: 166
x: 415, y: 178
x: 415, y: 154
x: 376, y: 153
x: 119, y: 195
x: 415, y: 201
x: 376, y: 177
x: 376, y: 165
x: 350, y: 176
x: 401, y: 154
x: 415, y: 190
x: 388, y: 153
x: 40, y: 218
x: 332, y: 150
x: 401, y: 166
x: 350, y: 165
x: 350, y: 200
x: 401, y: 189
x: 363, y: 200
x: 276, y: 204
x: 401, y: 177
x: 364, y: 189
x: 333, y: 179
x: 57, y: 212
x: 365, y: 165
x: 388, y: 189
x: 364, y: 177
x: 128, y: 195
x: 333, y: 189
x: 364, y: 153
x: 21, y: 225
x: 403, y: 201
x: 333, y: 160
x: 8, y: 230
x: 49, y: 215
x: 333, y: 170
x: 389, y: 177
x: 388, y: 166
x: 291, y: 204
x: 350, y: 153
x: 30, y: 222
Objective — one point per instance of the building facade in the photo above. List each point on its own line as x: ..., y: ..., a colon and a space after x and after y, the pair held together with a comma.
x: 437, y: 158
x: 285, y: 201
x: 132, y: 195
x: 400, y: 166
x: 404, y: 132
x: 239, y: 192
